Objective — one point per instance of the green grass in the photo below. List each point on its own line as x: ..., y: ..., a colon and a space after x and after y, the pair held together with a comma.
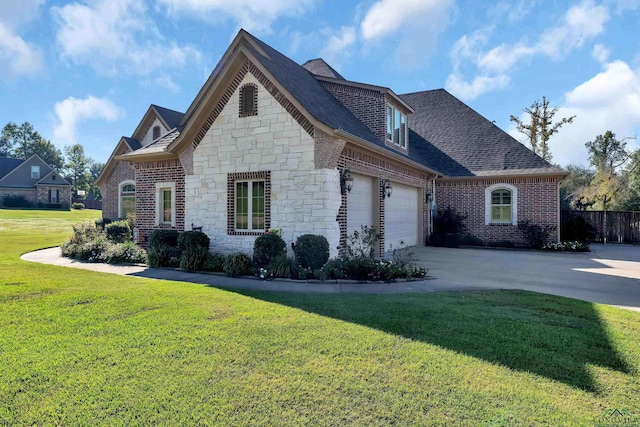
x: 83, y: 348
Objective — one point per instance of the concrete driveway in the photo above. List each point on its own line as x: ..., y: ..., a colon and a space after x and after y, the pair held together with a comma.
x: 610, y: 274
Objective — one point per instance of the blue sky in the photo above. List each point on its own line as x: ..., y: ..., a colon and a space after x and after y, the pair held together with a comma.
x: 86, y: 71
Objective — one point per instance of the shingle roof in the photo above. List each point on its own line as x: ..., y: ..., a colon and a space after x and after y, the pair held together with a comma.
x: 134, y: 144
x: 457, y: 141
x: 7, y: 164
x: 320, y: 68
x: 301, y: 84
x: 157, y: 146
x: 170, y: 117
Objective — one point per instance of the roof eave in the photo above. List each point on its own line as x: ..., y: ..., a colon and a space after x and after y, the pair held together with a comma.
x: 502, y: 176
x: 378, y: 149
x: 145, y: 157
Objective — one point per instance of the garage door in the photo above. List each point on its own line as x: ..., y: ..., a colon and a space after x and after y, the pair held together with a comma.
x: 359, y: 203
x: 401, y: 217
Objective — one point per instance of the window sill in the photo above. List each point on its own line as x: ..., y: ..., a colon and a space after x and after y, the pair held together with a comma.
x: 246, y: 233
x: 500, y: 224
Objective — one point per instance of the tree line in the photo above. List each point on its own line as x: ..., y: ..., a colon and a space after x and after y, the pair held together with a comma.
x: 611, y: 181
x: 23, y: 141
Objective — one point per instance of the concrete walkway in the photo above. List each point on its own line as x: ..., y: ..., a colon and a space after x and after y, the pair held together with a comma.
x: 610, y: 274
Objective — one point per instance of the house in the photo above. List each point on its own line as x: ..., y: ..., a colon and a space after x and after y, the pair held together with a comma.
x: 33, y: 179
x: 268, y: 143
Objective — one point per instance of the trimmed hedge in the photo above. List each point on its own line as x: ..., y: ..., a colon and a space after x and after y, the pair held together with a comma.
x: 193, y: 240
x: 267, y: 247
x: 118, y: 231
x: 312, y: 251
x: 160, y: 237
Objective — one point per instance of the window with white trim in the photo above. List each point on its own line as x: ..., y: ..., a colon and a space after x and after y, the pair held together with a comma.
x: 250, y: 205
x: 35, y: 172
x: 126, y: 198
x: 501, y: 204
x: 396, y: 126
x: 156, y: 132
x: 166, y: 203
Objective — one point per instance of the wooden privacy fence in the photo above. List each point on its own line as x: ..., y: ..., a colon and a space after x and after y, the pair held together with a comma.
x: 616, y: 226
x: 89, y: 204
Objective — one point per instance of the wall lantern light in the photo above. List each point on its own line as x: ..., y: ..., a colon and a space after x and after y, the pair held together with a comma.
x: 386, y: 188
x: 346, y: 181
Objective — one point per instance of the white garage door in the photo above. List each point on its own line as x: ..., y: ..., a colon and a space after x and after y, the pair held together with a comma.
x: 359, y: 203
x: 401, y: 216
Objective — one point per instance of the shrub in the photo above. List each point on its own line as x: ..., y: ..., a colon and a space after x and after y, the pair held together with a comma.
x: 238, y: 264
x: 215, y: 263
x: 448, y: 220
x: 577, y: 228
x: 471, y: 240
x: 363, y: 243
x: 118, y: 231
x: 194, y: 258
x: 102, y: 222
x: 92, y: 251
x: 502, y: 244
x: 16, y: 201
x: 78, y: 206
x: 84, y: 232
x: 574, y: 246
x: 266, y: 248
x: 193, y: 240
x: 403, y: 256
x: 163, y: 256
x: 282, y: 266
x: 161, y: 237
x: 535, y: 235
x: 311, y: 251
x: 125, y: 252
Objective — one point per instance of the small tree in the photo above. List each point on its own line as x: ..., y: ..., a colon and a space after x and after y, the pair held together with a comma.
x: 540, y: 127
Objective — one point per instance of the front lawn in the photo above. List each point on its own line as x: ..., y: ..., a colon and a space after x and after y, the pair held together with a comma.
x: 83, y: 348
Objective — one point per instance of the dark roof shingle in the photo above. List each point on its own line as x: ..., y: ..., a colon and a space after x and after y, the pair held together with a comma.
x: 468, y: 144
x: 7, y: 164
x: 170, y: 117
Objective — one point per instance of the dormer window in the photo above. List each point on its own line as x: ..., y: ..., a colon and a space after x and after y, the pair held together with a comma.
x: 248, y: 100
x: 396, y: 127
x: 156, y: 132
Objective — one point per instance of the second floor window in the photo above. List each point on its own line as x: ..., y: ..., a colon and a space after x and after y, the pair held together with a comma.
x: 396, y: 127
x: 156, y: 132
x: 35, y: 172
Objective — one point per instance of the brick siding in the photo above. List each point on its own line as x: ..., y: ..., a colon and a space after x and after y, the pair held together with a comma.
x: 147, y: 175
x: 110, y: 190
x: 537, y: 202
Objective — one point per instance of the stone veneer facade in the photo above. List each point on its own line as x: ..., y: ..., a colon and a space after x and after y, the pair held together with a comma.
x: 303, y: 199
x: 537, y: 201
x: 64, y: 195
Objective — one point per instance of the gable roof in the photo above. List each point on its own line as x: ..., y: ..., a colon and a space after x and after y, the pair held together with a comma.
x: 171, y: 118
x: 20, y: 176
x: 319, y: 67
x: 50, y: 179
x: 7, y: 164
x: 461, y: 142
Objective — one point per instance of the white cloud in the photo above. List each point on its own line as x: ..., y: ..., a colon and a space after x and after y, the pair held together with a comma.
x: 337, y: 45
x: 387, y: 16
x: 252, y: 15
x: 514, y: 11
x: 600, y: 53
x: 17, y: 56
x: 608, y: 101
x: 479, y: 85
x: 116, y: 37
x: 580, y: 24
x: 72, y: 111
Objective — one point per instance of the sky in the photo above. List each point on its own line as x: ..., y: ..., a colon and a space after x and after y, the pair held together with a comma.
x: 86, y: 71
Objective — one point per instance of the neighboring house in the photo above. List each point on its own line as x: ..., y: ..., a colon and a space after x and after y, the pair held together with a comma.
x: 268, y: 143
x: 39, y: 183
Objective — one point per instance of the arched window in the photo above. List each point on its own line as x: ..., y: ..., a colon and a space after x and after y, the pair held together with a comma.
x: 127, y: 198
x: 501, y: 204
x: 248, y: 100
x: 156, y: 132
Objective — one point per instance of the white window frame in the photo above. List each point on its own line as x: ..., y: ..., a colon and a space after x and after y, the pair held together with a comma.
x: 160, y: 187
x: 35, y: 170
x: 487, y: 203
x: 390, y: 120
x: 249, y: 204
x: 120, y: 186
